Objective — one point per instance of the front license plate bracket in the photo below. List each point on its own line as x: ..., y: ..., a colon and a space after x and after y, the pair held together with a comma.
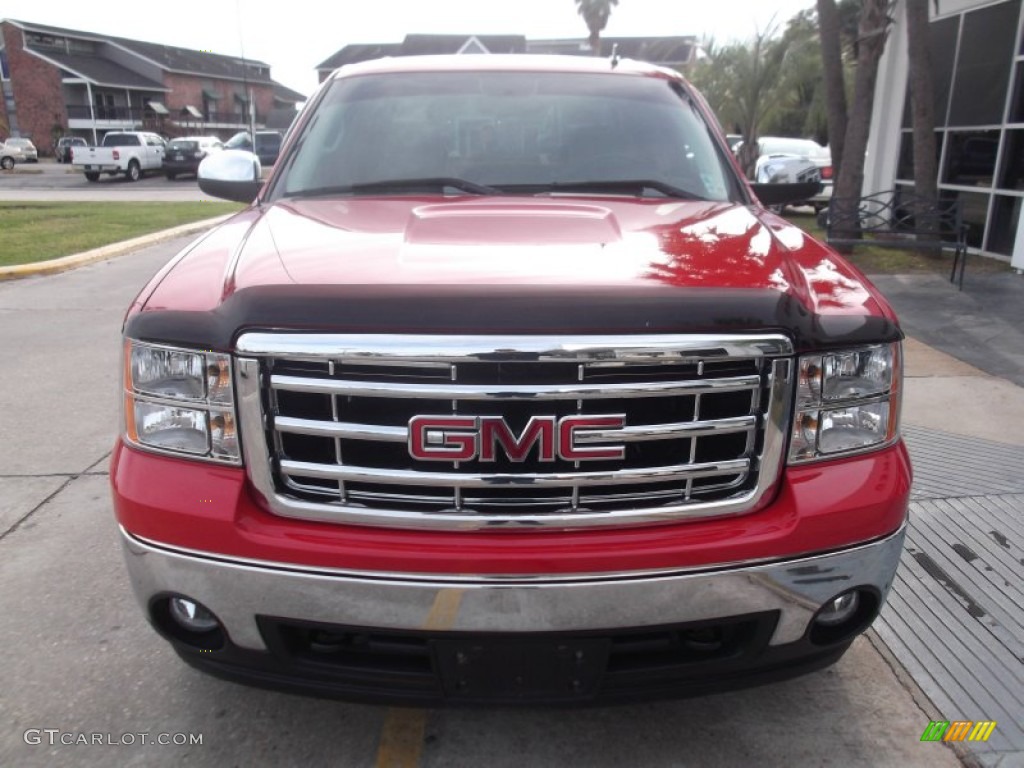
x: 520, y: 669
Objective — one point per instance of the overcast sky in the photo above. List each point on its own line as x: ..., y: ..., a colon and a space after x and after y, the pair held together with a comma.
x: 293, y: 36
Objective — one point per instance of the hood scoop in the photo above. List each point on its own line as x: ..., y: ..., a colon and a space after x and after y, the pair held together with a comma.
x: 512, y: 224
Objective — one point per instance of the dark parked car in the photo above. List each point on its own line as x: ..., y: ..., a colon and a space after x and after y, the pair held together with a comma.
x: 184, y: 154
x: 268, y: 145
x: 64, y: 146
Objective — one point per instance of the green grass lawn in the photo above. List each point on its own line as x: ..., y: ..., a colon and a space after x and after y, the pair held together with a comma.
x: 31, y: 232
x: 894, y: 261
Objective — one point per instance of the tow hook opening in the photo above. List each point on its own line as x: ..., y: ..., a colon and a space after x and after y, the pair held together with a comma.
x: 843, y: 616
x: 188, y: 621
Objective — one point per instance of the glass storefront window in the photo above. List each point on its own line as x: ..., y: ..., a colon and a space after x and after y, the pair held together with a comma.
x: 983, y: 66
x: 1011, y: 174
x: 1002, y: 232
x: 975, y: 214
x: 1017, y: 105
x: 971, y: 158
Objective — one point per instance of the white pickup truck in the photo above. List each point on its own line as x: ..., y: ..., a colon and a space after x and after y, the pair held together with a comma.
x: 128, y: 152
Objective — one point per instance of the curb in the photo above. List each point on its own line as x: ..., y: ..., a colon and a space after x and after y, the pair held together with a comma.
x: 104, y: 252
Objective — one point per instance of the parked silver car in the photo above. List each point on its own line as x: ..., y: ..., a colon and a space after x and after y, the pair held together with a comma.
x: 781, y: 160
x: 8, y: 157
x: 23, y: 149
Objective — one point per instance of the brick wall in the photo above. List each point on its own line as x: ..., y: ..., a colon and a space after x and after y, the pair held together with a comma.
x: 38, y: 100
x: 188, y: 89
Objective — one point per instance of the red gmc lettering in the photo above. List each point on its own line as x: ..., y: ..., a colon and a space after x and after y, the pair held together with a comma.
x: 443, y: 438
x: 567, y: 434
x: 463, y: 438
x: 540, y: 429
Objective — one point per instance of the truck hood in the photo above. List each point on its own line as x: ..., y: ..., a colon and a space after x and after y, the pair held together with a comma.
x: 521, y: 264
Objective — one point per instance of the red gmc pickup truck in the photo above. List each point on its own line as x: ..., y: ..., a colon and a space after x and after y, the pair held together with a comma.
x: 506, y: 388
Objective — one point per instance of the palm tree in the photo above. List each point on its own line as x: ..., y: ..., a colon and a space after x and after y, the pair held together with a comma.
x: 744, y: 82
x: 835, y: 80
x: 873, y: 30
x: 922, y: 94
x: 595, y: 13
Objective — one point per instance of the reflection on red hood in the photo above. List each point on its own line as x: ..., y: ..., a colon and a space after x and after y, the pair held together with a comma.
x: 578, y: 242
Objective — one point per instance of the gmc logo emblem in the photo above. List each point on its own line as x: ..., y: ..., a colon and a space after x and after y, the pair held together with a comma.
x: 464, y: 438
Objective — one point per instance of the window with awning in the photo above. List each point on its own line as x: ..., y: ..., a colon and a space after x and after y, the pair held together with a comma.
x: 158, y: 107
x: 193, y: 112
x: 211, y: 95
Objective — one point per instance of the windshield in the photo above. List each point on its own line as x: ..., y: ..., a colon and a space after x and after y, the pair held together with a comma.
x: 120, y: 140
x: 240, y: 140
x: 512, y: 132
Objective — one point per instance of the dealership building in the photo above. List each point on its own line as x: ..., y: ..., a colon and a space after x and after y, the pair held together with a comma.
x: 977, y: 54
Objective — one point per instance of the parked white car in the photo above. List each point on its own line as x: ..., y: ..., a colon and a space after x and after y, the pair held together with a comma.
x: 783, y: 160
x: 23, y: 148
x: 17, y: 151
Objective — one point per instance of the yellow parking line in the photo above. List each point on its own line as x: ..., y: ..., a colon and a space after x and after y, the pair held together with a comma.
x: 401, y: 737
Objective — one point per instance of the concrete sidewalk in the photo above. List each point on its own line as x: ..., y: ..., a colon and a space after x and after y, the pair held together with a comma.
x: 954, y: 621
x: 982, y: 325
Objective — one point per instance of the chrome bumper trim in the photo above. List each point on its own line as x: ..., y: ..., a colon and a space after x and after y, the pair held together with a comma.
x: 379, y: 349
x: 238, y: 591
x: 453, y: 391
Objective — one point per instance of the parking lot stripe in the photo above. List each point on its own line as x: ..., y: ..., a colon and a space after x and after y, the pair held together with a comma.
x: 401, y: 737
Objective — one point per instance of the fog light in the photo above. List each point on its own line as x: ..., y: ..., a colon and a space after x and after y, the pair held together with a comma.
x: 838, y: 610
x: 192, y: 616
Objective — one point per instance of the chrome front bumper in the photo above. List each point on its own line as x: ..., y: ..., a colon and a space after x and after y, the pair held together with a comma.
x: 237, y: 592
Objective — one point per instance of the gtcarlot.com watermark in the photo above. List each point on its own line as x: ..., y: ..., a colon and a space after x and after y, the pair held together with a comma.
x: 53, y: 737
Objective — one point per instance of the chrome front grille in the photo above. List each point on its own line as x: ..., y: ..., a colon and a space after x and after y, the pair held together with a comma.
x: 325, y: 426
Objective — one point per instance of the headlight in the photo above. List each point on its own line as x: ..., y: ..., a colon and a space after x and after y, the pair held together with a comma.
x: 847, y: 402
x: 180, y: 401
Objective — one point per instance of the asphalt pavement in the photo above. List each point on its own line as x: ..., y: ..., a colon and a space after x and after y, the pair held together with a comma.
x: 80, y: 662
x: 51, y: 181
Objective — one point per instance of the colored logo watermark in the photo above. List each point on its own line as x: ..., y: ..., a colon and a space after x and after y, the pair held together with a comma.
x: 958, y: 730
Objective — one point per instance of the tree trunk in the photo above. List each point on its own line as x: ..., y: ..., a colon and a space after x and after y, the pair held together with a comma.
x: 872, y: 31
x: 835, y: 83
x: 595, y: 42
x: 923, y: 100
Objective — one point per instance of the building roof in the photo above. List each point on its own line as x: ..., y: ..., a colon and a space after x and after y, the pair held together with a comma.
x: 99, y: 71
x: 286, y: 94
x: 168, y: 57
x: 672, y: 50
x: 198, y: 62
x: 665, y: 51
x: 360, y: 52
x: 424, y: 45
x: 419, y: 45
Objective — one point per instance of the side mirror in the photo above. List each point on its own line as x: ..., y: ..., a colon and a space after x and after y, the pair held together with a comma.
x: 780, y: 194
x: 232, y: 175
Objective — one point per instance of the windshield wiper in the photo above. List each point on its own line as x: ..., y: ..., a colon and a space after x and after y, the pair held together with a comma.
x: 636, y: 187
x: 399, y: 185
